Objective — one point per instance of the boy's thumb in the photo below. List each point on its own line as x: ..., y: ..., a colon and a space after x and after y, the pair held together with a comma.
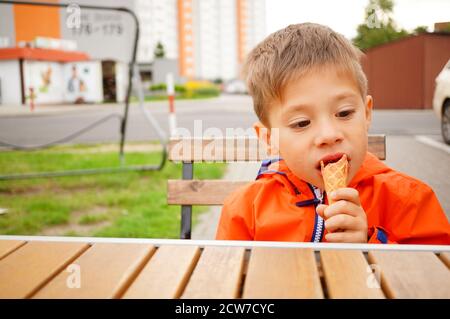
x: 321, y: 210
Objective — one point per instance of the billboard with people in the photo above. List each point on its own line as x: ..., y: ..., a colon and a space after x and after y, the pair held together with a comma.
x: 83, y: 82
x: 44, y: 80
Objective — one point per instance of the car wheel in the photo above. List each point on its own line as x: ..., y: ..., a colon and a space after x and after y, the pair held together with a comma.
x: 445, y: 122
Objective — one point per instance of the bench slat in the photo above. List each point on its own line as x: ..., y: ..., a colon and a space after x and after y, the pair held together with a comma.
x: 239, y: 149
x: 166, y: 274
x: 340, y: 265
x: 412, y: 274
x: 218, y: 274
x: 200, y: 192
x: 106, y: 271
x: 282, y: 273
x: 26, y: 270
x: 8, y: 246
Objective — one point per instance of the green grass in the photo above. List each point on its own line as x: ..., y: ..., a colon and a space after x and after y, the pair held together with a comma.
x: 132, y: 204
x: 154, y: 98
x: 92, y: 219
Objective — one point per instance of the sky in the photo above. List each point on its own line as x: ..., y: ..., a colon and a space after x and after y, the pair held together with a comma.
x: 343, y: 16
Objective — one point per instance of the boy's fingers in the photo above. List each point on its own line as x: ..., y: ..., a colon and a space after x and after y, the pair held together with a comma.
x: 346, y: 193
x: 344, y: 237
x: 341, y: 222
x: 341, y: 207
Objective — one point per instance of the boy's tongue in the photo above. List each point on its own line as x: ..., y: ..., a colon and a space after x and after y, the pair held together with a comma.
x: 332, y: 159
x: 329, y: 160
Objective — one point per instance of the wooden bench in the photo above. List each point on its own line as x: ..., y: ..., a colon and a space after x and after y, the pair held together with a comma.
x: 189, y: 191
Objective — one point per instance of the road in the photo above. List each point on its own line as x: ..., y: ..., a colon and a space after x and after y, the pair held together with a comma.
x: 414, y: 144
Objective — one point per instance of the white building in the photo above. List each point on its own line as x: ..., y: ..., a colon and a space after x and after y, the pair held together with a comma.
x: 215, y: 39
x: 209, y: 37
x: 255, y: 19
x: 158, y: 23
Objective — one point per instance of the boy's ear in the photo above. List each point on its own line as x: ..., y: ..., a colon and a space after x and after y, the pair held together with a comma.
x: 368, y: 110
x: 262, y: 132
x: 266, y: 137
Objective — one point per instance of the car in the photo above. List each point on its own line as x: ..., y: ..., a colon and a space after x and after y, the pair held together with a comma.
x: 441, y: 101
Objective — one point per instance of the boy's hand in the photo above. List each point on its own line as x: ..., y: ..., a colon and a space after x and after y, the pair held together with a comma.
x: 345, y: 219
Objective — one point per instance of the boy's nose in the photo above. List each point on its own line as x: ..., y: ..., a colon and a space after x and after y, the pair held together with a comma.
x: 328, y: 134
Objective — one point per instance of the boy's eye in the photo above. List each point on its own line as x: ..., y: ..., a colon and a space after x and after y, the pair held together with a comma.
x: 345, y: 113
x: 302, y: 124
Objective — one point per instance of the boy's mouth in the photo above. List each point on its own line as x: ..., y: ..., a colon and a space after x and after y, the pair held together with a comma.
x: 330, y: 158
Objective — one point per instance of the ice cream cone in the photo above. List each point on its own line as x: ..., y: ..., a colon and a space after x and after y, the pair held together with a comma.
x: 335, y: 175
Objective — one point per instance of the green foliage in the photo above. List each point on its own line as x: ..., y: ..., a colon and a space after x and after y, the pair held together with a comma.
x: 207, y: 91
x: 159, y: 52
x: 179, y: 88
x: 378, y: 27
x: 158, y: 87
x: 190, y: 90
x: 421, y: 29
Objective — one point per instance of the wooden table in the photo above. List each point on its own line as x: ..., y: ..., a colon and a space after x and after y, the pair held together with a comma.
x: 68, y: 267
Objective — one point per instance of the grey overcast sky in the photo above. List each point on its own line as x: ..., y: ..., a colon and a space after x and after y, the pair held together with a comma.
x: 344, y: 15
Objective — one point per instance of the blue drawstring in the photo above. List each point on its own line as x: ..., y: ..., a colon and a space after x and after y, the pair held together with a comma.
x: 314, y: 201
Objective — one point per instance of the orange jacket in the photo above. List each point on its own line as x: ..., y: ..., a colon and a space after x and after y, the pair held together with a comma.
x: 278, y: 206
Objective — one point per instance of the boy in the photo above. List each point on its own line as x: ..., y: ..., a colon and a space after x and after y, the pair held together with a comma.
x: 309, y: 90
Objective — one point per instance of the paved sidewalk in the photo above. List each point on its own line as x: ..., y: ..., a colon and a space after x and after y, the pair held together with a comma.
x: 207, y: 223
x: 24, y: 110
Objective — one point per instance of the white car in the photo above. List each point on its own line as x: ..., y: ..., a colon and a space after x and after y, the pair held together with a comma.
x: 441, y: 101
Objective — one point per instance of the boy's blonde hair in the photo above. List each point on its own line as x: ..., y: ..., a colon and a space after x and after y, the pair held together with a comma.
x: 290, y: 53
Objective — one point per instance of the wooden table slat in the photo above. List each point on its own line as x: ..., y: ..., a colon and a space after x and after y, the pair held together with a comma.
x: 166, y: 274
x: 282, y: 273
x: 41, y: 268
x: 218, y: 274
x: 106, y: 270
x: 412, y: 274
x: 30, y: 267
x: 8, y: 246
x: 348, y: 275
x: 445, y: 257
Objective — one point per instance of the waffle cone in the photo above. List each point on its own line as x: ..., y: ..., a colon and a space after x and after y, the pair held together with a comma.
x: 335, y: 175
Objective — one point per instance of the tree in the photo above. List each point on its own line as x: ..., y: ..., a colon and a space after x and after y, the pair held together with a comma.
x: 159, y: 51
x: 379, y: 26
x: 420, y: 29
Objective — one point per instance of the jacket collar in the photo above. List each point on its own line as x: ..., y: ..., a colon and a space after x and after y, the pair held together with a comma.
x: 371, y: 166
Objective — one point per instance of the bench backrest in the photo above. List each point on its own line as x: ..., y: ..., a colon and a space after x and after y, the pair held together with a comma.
x: 188, y: 192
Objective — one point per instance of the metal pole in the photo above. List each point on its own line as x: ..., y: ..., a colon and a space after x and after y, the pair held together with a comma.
x: 130, y: 78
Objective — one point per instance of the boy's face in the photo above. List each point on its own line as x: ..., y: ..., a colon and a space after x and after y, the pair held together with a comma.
x: 322, y: 115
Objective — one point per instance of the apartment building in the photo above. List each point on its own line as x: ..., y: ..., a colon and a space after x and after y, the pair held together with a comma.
x: 210, y: 38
